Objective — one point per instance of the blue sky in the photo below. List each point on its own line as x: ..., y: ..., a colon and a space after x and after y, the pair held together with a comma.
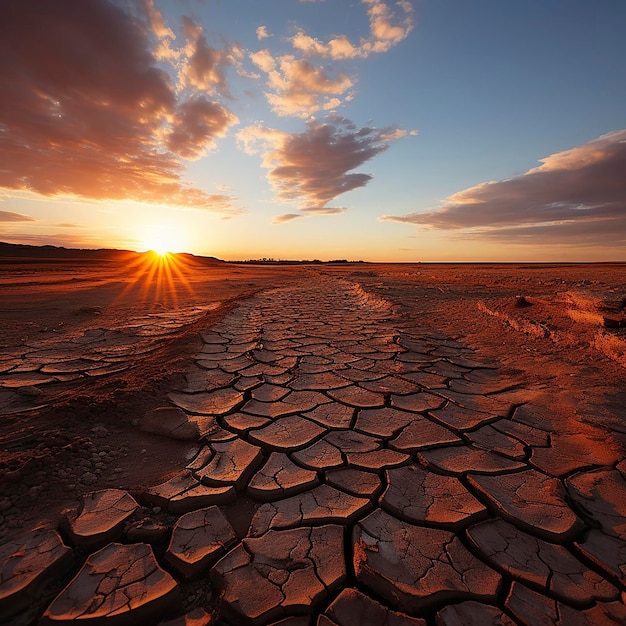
x: 419, y: 130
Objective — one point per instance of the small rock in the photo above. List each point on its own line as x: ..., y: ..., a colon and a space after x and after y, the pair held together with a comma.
x: 521, y: 302
x: 171, y: 422
x: 156, y: 510
x: 89, y: 478
x: 29, y: 391
x: 90, y: 310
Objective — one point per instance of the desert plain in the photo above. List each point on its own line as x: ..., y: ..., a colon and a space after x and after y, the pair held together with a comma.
x: 191, y: 442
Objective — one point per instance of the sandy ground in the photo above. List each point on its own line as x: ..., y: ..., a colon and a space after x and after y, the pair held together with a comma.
x: 57, y: 431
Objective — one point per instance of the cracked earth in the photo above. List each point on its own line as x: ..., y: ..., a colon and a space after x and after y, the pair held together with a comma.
x: 350, y: 466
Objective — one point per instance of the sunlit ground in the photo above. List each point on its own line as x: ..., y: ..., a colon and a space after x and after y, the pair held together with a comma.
x: 156, y: 276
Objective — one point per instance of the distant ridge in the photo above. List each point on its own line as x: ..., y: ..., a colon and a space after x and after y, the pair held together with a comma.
x: 16, y: 250
x: 19, y: 251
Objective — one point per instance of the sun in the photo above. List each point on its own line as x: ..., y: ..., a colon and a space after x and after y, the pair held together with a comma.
x: 161, y: 240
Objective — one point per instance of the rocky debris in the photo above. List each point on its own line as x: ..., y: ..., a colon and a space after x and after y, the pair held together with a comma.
x: 146, y: 530
x: 532, y: 501
x: 199, y: 538
x: 280, y: 478
x: 415, y: 568
x: 319, y: 505
x: 100, y: 518
x: 353, y: 608
x: 472, y: 613
x: 281, y: 573
x: 122, y: 584
x: 417, y: 495
x: 601, y: 495
x: 171, y: 422
x: 27, y: 564
x: 538, y: 563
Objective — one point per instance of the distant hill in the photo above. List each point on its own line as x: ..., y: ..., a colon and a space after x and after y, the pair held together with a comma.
x: 15, y: 251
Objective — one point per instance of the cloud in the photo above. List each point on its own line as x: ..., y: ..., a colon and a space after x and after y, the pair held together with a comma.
x: 261, y: 33
x: 196, y: 124
x: 387, y: 29
x: 204, y: 66
x: 297, y: 87
x: 313, y: 167
x: 9, y: 216
x: 286, y: 217
x: 86, y: 111
x: 574, y: 196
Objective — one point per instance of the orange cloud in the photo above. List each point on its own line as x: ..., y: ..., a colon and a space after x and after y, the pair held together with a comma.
x: 575, y: 196
x: 261, y: 33
x: 203, y: 66
x: 298, y: 88
x: 9, y: 216
x: 87, y: 112
x: 313, y: 167
x: 387, y: 29
x: 286, y: 217
x: 196, y: 124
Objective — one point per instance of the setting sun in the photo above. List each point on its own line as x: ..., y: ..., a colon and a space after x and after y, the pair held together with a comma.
x: 162, y: 240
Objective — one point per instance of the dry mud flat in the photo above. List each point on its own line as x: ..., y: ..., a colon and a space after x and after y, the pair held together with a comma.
x: 357, y: 445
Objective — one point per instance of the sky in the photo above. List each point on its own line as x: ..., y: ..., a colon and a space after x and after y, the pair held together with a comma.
x: 400, y: 131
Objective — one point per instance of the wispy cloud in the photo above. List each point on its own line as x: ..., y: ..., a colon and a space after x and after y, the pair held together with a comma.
x: 9, y: 216
x: 86, y: 111
x: 286, y: 217
x: 574, y: 196
x: 313, y: 167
